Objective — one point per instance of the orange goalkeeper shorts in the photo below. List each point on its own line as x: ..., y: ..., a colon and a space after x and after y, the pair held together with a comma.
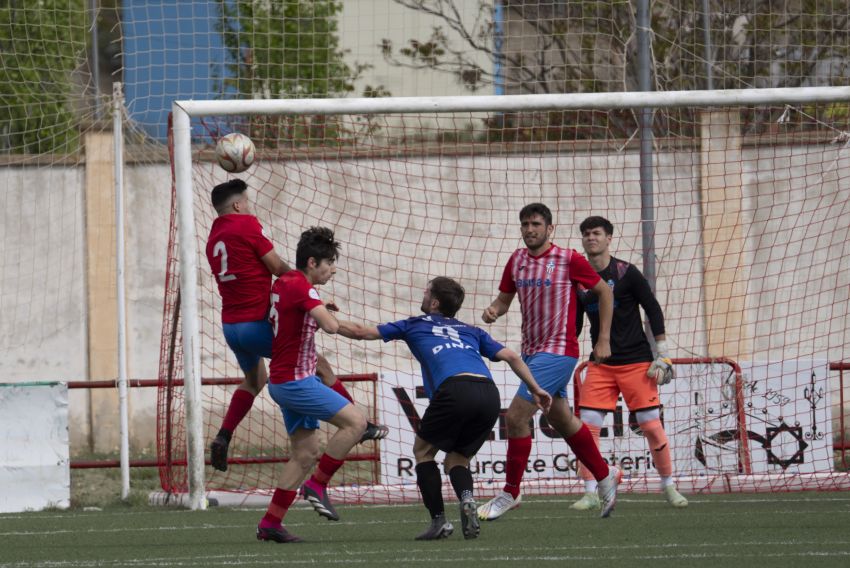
x: 603, y: 383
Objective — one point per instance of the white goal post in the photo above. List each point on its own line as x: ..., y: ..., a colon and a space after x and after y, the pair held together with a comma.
x: 184, y: 111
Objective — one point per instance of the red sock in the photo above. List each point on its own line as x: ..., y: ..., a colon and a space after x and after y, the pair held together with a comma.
x: 327, y: 467
x: 583, y: 446
x: 340, y: 388
x: 240, y: 404
x: 281, y: 500
x: 583, y: 472
x: 517, y: 459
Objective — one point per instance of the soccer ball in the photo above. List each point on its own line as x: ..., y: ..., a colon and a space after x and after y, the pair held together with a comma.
x: 234, y: 152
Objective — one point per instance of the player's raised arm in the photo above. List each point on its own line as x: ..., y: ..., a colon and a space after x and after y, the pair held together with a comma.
x: 353, y: 330
x: 542, y: 399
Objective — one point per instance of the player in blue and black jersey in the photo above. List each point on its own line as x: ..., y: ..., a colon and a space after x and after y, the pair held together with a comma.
x: 464, y: 401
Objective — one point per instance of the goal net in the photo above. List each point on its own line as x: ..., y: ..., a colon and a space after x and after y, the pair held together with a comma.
x: 744, y: 195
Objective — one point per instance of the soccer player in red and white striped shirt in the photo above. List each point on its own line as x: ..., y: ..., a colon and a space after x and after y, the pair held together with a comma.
x: 545, y: 277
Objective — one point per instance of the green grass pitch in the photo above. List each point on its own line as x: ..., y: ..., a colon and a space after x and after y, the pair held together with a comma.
x: 717, y: 531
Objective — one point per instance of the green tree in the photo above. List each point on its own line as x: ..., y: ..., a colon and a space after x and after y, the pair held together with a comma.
x: 286, y: 49
x: 41, y: 45
x: 590, y: 45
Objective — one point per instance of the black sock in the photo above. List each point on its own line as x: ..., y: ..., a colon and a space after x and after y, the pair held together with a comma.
x: 429, y: 480
x: 461, y: 479
x: 226, y: 434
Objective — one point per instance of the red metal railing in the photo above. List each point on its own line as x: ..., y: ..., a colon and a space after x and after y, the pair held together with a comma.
x: 148, y: 383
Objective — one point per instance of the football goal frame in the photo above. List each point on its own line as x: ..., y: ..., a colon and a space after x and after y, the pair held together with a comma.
x: 183, y: 111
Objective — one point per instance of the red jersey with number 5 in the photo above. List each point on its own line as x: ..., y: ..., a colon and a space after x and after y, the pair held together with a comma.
x: 294, y: 345
x: 234, y: 249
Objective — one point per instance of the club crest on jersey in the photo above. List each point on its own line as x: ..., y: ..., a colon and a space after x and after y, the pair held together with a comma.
x: 550, y: 267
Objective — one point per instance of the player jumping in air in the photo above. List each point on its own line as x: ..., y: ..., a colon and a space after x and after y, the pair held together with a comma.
x: 243, y: 260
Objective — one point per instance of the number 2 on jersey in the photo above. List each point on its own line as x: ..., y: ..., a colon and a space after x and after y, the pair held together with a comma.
x: 220, y: 249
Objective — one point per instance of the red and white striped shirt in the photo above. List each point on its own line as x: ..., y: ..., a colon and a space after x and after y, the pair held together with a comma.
x: 547, y: 297
x: 294, y: 347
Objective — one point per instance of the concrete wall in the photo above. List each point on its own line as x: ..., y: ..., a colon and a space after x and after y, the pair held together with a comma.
x: 405, y: 221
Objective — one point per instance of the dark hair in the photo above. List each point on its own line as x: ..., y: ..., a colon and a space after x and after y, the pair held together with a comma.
x: 449, y: 293
x: 594, y: 222
x: 536, y: 209
x: 222, y: 193
x: 318, y: 243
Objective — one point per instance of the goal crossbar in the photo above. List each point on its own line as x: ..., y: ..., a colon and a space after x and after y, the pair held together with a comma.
x: 510, y: 103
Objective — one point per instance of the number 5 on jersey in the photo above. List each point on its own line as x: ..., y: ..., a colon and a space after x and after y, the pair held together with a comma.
x: 273, y: 313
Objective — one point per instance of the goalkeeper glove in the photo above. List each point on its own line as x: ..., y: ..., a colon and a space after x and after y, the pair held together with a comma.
x: 662, y: 368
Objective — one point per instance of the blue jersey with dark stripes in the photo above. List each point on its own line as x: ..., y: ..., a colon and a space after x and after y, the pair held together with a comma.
x: 444, y: 347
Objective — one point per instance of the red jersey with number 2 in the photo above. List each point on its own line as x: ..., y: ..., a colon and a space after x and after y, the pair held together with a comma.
x: 294, y: 345
x: 234, y: 249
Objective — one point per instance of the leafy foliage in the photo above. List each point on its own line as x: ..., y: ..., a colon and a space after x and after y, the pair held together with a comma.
x: 591, y: 46
x: 287, y: 49
x: 41, y: 45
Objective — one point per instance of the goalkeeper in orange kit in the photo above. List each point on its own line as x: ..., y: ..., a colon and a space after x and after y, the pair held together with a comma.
x: 632, y: 369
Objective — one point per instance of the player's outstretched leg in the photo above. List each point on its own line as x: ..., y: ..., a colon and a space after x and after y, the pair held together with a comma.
x: 373, y: 431
x: 439, y: 528
x: 240, y: 404
x: 608, y: 491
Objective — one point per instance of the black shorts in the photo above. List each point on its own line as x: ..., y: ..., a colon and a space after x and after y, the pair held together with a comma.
x: 461, y: 415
